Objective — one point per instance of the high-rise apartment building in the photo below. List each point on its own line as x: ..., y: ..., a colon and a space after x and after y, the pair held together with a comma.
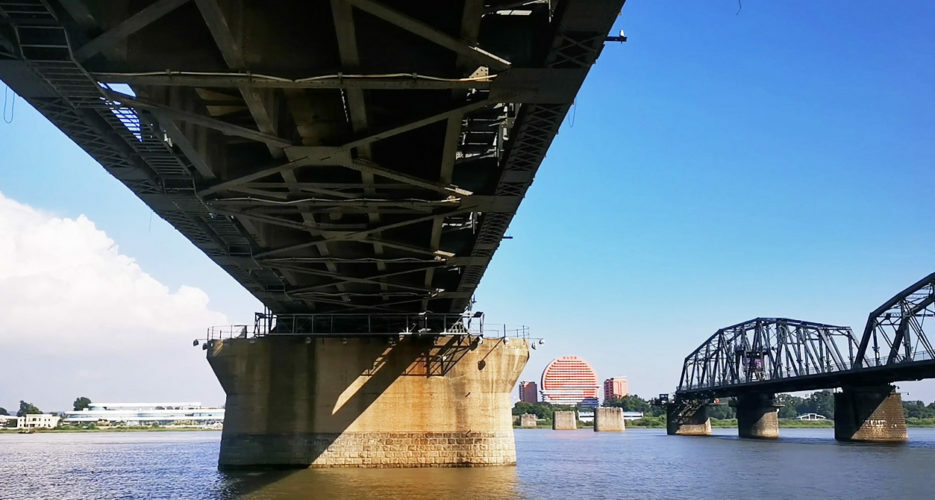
x: 528, y: 392
x: 616, y: 387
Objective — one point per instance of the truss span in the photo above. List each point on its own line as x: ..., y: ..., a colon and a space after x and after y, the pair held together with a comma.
x: 770, y: 355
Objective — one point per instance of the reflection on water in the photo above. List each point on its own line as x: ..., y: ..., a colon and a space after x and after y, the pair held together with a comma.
x: 635, y: 464
x: 486, y: 482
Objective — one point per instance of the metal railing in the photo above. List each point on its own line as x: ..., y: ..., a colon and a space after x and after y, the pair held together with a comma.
x: 344, y: 325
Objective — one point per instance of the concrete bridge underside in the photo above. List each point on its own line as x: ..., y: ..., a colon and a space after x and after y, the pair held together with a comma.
x: 345, y: 156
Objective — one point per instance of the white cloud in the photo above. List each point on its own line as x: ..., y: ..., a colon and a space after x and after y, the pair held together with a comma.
x: 79, y: 318
x: 64, y: 283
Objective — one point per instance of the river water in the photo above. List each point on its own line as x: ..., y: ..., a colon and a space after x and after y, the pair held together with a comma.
x: 636, y: 464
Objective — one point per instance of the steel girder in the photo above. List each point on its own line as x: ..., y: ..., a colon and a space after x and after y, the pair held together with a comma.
x: 322, y: 162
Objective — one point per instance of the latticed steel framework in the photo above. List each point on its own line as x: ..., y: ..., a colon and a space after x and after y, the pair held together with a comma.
x: 342, y: 156
x: 768, y: 349
x: 777, y: 354
x: 895, y: 331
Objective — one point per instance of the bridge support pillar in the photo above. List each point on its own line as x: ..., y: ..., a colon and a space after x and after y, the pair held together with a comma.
x: 564, y: 421
x: 757, y: 416
x: 869, y: 413
x: 528, y: 421
x: 687, y: 418
x: 609, y: 419
x: 430, y: 401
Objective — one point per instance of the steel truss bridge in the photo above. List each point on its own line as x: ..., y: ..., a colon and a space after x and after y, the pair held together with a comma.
x: 343, y: 156
x: 771, y: 355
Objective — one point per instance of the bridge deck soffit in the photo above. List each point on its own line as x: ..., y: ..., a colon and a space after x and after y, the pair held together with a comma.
x: 341, y: 156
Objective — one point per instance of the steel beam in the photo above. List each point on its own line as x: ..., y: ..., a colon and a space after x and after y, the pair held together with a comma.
x: 428, y: 32
x: 205, y: 121
x: 402, y: 81
x: 132, y: 24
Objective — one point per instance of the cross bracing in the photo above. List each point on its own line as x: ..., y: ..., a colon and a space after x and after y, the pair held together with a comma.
x: 770, y: 355
x: 335, y: 156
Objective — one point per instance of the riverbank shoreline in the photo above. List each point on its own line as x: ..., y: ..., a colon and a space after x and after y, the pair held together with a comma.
x: 730, y: 423
x: 109, y: 429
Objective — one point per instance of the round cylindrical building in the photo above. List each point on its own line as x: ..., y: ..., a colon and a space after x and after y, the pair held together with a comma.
x: 570, y: 380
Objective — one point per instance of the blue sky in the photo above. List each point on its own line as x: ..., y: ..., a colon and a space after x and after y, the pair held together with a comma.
x: 716, y: 167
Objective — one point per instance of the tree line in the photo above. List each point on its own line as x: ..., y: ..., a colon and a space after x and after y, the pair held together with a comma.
x: 26, y: 408
x: 819, y: 402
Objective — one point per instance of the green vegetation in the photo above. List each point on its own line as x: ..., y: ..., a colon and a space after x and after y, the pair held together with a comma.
x: 792, y: 423
x: 820, y: 402
x: 731, y: 423
x: 3, y: 411
x: 920, y: 422
x: 648, y: 422
x: 722, y: 410
x: 81, y: 403
x: 918, y: 410
x: 27, y: 409
x: 723, y: 414
x: 635, y: 403
x: 542, y: 411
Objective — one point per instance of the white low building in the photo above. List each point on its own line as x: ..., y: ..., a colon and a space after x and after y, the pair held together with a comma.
x: 171, y: 413
x: 811, y: 416
x: 37, y: 421
x: 9, y: 420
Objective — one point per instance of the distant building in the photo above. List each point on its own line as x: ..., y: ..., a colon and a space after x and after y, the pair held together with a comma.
x: 811, y: 416
x: 570, y: 380
x: 528, y: 392
x: 38, y: 421
x: 8, y: 420
x: 632, y: 415
x: 184, y: 413
x: 616, y: 387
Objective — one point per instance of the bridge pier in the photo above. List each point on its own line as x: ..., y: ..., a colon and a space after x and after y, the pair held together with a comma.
x: 369, y: 401
x: 687, y: 418
x: 564, y: 421
x: 609, y: 420
x: 757, y: 416
x: 869, y: 413
x: 528, y: 421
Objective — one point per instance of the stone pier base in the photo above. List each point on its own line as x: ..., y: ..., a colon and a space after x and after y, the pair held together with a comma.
x: 757, y: 416
x: 873, y: 413
x: 367, y: 401
x: 609, y: 420
x: 527, y: 420
x: 564, y: 421
x: 687, y: 418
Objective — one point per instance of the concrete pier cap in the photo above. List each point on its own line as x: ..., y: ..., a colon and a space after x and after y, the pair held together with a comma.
x: 367, y: 401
